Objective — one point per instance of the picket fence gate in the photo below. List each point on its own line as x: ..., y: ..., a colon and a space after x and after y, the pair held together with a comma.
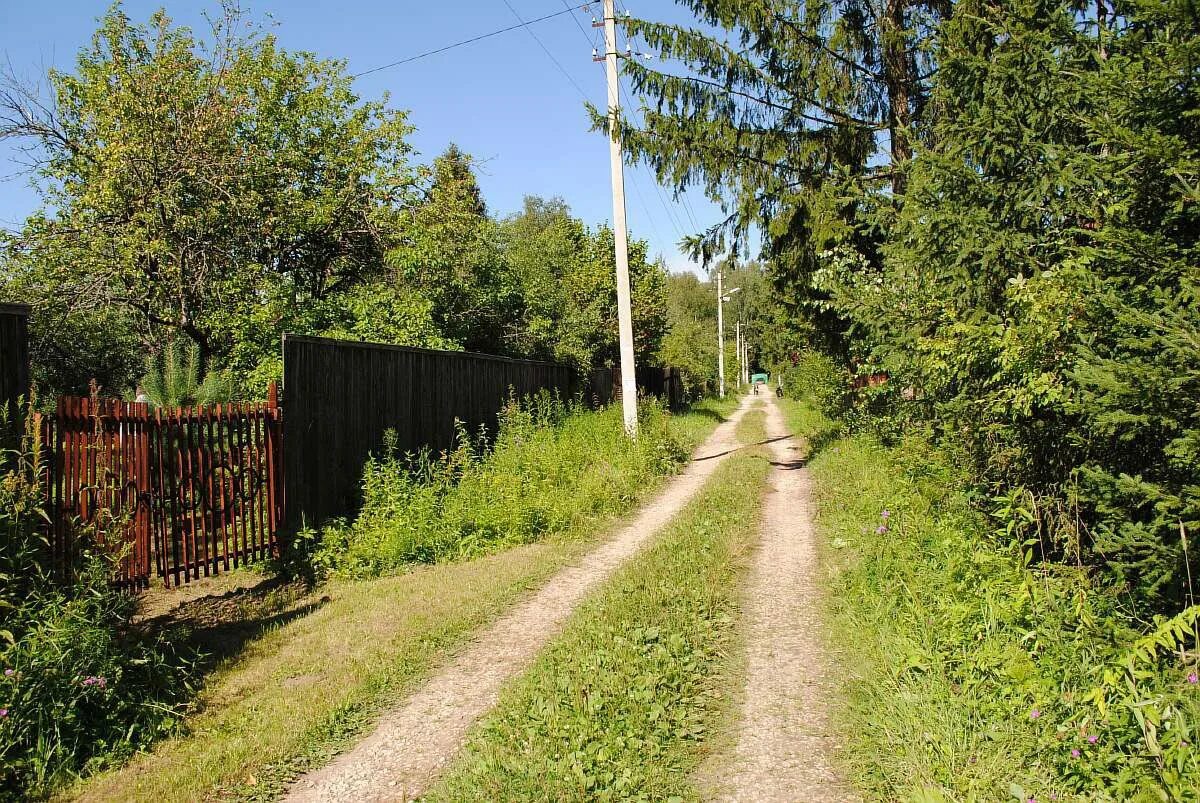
x: 179, y: 493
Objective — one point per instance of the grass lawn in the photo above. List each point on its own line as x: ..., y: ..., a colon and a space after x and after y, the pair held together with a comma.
x: 621, y: 705
x: 316, y: 668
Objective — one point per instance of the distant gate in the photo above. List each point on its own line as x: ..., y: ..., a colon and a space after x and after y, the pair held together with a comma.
x: 182, y: 492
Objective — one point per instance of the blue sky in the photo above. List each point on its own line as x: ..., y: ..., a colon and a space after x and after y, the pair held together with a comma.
x: 501, y: 99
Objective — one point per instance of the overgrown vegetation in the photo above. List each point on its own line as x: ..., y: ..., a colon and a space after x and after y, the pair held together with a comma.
x: 553, y: 468
x: 80, y: 688
x: 976, y: 671
x: 619, y: 706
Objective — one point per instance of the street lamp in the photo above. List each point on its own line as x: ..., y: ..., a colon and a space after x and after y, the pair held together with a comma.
x: 722, y: 297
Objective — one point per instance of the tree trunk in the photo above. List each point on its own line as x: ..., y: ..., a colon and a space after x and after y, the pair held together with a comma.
x: 898, y: 74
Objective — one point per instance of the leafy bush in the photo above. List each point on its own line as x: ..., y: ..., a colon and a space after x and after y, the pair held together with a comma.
x: 818, y: 378
x: 551, y: 465
x: 982, y: 674
x: 79, y: 687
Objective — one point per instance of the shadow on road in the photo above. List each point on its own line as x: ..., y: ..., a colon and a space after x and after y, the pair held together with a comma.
x: 739, y: 448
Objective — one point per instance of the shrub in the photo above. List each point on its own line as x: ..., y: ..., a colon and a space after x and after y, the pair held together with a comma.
x: 551, y: 466
x: 79, y: 687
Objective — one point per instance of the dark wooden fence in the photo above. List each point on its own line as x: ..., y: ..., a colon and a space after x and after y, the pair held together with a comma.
x: 341, y: 396
x: 604, y: 385
x: 14, y: 363
x: 181, y: 493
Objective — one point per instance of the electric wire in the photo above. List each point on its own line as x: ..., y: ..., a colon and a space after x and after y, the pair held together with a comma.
x: 546, y: 50
x: 523, y: 24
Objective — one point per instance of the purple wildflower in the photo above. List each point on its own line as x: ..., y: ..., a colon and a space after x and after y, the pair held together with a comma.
x: 1075, y: 753
x: 881, y: 529
x: 3, y: 713
x: 8, y: 673
x: 1093, y: 739
x: 886, y: 514
x: 1193, y: 678
x: 1034, y: 714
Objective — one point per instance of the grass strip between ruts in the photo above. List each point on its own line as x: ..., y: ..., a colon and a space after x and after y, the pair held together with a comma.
x: 620, y: 705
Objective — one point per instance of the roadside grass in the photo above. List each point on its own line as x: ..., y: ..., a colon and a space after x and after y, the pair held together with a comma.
x: 306, y: 689
x: 621, y: 704
x: 552, y: 472
x: 971, y: 672
x: 317, y: 667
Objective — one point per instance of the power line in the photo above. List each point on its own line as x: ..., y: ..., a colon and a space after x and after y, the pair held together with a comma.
x: 590, y: 39
x: 671, y: 217
x: 545, y: 50
x: 473, y: 39
x: 632, y: 175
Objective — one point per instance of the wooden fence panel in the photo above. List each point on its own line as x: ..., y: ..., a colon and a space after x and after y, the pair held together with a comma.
x: 182, y: 492
x: 340, y: 397
x: 603, y: 385
x: 14, y: 367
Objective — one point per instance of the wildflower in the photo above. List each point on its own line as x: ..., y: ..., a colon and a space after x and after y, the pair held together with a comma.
x: 1075, y: 753
x: 8, y: 673
x: 101, y: 682
x: 1093, y: 739
x: 1193, y: 678
x: 1034, y: 714
x: 886, y: 514
x: 881, y: 529
x: 3, y: 713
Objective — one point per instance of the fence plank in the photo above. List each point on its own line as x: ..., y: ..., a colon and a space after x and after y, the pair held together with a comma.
x: 341, y: 396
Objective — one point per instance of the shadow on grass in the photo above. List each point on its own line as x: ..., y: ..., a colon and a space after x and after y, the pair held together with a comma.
x: 704, y: 412
x: 218, y: 627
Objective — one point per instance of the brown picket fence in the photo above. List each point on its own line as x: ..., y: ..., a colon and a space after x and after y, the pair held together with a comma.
x: 178, y: 493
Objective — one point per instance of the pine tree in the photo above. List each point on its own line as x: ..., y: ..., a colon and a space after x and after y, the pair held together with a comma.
x: 801, y: 122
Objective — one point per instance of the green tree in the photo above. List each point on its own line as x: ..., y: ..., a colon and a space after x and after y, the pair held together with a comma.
x: 800, y: 117
x: 691, y: 340
x: 568, y: 283
x: 220, y: 189
x: 450, y: 253
x: 1038, y: 284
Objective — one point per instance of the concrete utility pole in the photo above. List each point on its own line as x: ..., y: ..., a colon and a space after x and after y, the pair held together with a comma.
x: 738, y: 328
x: 722, y: 297
x: 720, y: 333
x: 620, y: 233
x: 745, y: 359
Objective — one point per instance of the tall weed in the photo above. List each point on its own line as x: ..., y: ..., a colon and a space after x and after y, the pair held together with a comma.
x: 551, y: 466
